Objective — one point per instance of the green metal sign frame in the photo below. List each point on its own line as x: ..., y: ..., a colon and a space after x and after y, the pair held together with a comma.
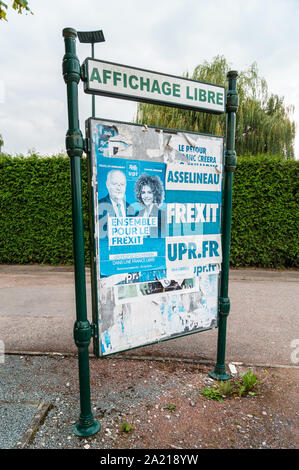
x: 83, y: 330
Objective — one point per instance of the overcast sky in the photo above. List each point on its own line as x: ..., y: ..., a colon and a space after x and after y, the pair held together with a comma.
x: 170, y: 36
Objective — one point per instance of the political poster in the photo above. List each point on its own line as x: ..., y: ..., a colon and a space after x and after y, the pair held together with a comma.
x: 157, y: 211
x: 130, y: 234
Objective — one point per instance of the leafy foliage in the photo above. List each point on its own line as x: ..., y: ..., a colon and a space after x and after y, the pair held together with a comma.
x: 212, y: 393
x: 36, y: 211
x: 247, y: 386
x: 263, y: 121
x: 265, y: 213
x: 125, y: 427
x: 171, y: 407
x: 19, y: 5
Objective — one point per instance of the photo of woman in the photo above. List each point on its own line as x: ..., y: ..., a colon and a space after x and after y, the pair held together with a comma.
x: 149, y: 193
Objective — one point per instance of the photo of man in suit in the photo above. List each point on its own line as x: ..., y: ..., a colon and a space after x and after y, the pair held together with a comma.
x: 114, y: 204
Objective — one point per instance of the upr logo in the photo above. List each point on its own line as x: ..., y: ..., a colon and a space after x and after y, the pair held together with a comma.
x: 295, y: 353
x: 132, y: 277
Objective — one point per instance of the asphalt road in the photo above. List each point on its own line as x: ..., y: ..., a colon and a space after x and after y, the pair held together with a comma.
x: 37, y: 314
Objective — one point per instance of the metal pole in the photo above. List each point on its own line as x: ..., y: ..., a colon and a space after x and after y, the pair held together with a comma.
x: 93, y: 104
x: 230, y: 161
x: 86, y: 426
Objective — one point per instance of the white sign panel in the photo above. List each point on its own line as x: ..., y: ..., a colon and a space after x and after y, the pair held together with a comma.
x: 107, y: 78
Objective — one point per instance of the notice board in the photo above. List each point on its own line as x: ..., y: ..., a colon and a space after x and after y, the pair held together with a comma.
x: 156, y: 196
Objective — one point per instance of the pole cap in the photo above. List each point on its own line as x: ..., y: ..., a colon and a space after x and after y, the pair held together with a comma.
x: 232, y: 74
x: 69, y: 32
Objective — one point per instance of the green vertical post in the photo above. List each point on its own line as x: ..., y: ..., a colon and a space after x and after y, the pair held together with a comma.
x: 87, y: 425
x: 93, y: 103
x: 230, y: 161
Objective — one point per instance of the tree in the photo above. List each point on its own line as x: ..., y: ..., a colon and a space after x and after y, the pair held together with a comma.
x: 263, y: 126
x: 18, y: 5
x: 1, y: 142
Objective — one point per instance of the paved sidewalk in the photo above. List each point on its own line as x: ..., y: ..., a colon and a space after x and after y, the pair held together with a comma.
x: 37, y: 313
x: 157, y: 402
x: 154, y: 390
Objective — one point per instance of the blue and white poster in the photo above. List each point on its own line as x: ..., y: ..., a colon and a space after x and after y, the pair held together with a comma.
x: 157, y: 209
x: 131, y: 213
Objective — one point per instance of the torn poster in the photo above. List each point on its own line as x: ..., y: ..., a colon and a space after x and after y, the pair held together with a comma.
x: 157, y: 210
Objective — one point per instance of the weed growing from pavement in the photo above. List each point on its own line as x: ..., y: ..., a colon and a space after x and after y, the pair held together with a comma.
x: 125, y: 427
x: 247, y: 386
x: 171, y: 407
x: 226, y: 388
x: 212, y: 393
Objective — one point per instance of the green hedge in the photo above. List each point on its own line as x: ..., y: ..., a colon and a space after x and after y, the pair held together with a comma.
x: 265, y: 213
x: 36, y: 210
x: 36, y: 220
